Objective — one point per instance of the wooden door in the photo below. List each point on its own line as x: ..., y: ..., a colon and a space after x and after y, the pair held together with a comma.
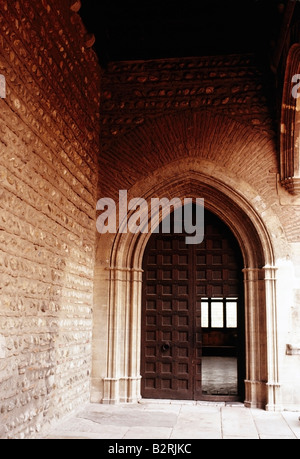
x: 180, y: 281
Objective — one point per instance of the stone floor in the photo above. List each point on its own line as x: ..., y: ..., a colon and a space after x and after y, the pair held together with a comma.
x: 219, y: 376
x: 165, y: 419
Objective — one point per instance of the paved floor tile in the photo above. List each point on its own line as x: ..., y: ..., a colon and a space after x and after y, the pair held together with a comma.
x: 238, y: 422
x: 271, y: 425
x: 171, y: 408
x: 177, y: 420
x: 132, y: 418
x: 293, y: 421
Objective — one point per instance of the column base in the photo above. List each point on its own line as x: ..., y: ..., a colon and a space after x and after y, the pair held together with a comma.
x: 274, y: 397
x: 255, y: 394
x: 263, y: 395
x: 122, y: 390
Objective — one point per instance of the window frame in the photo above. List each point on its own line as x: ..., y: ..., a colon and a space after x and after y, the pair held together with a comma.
x: 224, y: 301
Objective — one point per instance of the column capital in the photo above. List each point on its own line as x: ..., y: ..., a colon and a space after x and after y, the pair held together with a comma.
x: 270, y: 272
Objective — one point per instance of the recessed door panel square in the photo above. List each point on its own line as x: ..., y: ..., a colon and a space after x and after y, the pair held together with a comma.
x: 183, y: 259
x: 151, y: 289
x: 166, y: 383
x: 201, y: 260
x: 183, y: 336
x: 217, y: 259
x: 167, y: 289
x: 167, y: 259
x: 151, y: 336
x: 166, y: 368
x: 201, y: 274
x: 167, y: 274
x: 152, y: 274
x: 150, y: 351
x: 150, y: 383
x: 150, y: 305
x: 217, y: 290
x: 217, y: 275
x: 166, y: 305
x: 167, y: 244
x: 166, y: 321
x: 151, y: 320
x: 183, y: 321
x: 201, y: 290
x: 183, y: 368
x: 183, y: 274
x: 150, y: 367
x: 152, y: 260
x: 183, y: 384
x: 183, y: 289
x: 232, y: 275
x: 183, y: 305
x: 167, y: 336
x: 183, y: 352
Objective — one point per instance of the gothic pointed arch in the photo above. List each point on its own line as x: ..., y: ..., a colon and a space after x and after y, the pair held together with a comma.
x: 120, y: 271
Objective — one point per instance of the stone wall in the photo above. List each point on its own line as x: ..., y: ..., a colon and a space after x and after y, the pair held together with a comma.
x: 48, y: 178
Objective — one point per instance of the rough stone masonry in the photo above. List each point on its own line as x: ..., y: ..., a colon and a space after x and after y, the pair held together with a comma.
x: 48, y: 182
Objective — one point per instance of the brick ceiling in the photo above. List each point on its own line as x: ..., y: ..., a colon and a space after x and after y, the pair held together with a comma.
x: 148, y: 29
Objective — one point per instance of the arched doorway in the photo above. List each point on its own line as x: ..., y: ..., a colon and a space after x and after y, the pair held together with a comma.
x: 192, y: 344
x: 119, y: 280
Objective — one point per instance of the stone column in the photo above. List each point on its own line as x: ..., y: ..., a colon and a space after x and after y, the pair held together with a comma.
x: 273, y: 384
x: 134, y: 384
x: 262, y: 380
x: 255, y: 383
x: 122, y: 383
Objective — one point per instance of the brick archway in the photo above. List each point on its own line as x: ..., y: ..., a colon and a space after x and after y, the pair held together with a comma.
x: 119, y: 277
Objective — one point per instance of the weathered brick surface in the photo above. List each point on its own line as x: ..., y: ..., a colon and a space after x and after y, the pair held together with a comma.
x: 134, y: 92
x: 213, y: 108
x: 48, y: 179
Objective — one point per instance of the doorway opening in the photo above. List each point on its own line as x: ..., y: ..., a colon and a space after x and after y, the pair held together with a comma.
x: 193, y: 324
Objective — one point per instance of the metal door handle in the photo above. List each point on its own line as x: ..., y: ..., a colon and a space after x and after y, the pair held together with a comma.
x: 165, y: 347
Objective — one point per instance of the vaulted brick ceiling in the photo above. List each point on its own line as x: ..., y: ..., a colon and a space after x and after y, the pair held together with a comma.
x: 135, y: 29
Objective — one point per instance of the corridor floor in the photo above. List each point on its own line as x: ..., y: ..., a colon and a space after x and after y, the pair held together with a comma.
x: 165, y: 419
x: 219, y: 376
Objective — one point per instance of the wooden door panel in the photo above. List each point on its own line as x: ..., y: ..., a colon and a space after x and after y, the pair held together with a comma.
x: 168, y: 291
x: 177, y: 277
